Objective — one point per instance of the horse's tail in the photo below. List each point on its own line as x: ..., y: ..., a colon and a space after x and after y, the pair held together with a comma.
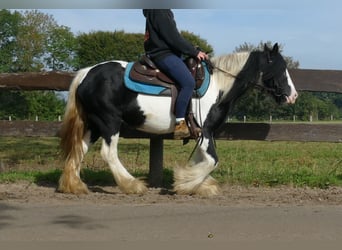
x: 73, y: 125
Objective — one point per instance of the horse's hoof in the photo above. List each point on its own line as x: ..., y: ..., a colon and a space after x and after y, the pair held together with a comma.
x: 133, y: 186
x: 208, y: 188
x: 77, y: 188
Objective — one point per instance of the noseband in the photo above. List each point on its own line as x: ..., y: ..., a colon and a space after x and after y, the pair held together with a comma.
x: 262, y: 87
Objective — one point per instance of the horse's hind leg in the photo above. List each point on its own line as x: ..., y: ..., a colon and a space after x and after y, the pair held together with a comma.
x: 126, y: 182
x: 70, y: 181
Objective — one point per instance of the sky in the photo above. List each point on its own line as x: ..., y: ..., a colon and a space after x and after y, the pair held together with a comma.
x: 309, y: 31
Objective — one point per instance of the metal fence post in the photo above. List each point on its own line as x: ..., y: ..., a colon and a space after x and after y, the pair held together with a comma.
x: 156, y: 162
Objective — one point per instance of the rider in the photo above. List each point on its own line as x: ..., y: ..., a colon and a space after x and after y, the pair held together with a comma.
x: 164, y: 44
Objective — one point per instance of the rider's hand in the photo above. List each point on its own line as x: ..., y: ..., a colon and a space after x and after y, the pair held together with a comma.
x: 202, y: 56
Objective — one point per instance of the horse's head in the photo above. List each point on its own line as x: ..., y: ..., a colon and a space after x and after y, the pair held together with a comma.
x: 275, y: 76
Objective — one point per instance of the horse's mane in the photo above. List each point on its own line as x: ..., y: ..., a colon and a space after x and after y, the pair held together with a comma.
x: 232, y: 63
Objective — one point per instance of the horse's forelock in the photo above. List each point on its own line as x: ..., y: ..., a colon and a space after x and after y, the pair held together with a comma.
x: 275, y: 69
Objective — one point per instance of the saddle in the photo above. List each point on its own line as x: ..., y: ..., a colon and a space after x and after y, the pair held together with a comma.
x: 146, y: 71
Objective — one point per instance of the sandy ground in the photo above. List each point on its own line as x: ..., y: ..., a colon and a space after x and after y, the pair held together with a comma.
x: 25, y: 192
x: 38, y: 214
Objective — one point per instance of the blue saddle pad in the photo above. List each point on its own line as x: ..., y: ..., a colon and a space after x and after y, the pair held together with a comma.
x: 150, y: 89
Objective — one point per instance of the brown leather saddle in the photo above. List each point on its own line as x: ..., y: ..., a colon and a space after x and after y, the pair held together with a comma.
x: 146, y: 71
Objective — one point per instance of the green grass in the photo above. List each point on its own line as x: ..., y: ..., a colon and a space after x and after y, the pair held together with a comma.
x: 281, y: 163
x: 257, y: 163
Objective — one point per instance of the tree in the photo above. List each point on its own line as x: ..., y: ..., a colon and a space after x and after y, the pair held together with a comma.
x: 321, y: 105
x: 44, y: 104
x: 60, y: 52
x: 32, y: 41
x: 32, y: 34
x: 12, y: 103
x: 9, y: 25
x: 291, y: 64
x: 42, y: 44
x: 100, y: 46
x: 26, y: 105
x: 197, y: 41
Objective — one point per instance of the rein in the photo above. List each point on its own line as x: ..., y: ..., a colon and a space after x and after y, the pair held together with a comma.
x: 256, y: 85
x: 211, y: 67
x: 225, y: 71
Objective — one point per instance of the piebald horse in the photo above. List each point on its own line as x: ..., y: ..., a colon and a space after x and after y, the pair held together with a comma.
x: 99, y: 103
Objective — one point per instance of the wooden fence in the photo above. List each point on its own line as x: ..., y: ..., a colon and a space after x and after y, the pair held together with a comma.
x: 304, y: 79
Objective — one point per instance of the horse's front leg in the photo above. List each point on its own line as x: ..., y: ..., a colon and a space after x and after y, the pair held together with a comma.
x: 195, y: 177
x: 126, y: 182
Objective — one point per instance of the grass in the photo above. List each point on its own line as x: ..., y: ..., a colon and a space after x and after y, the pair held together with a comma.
x: 257, y: 163
x: 281, y: 163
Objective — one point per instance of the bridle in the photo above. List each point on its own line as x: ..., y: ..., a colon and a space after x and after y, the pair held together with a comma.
x: 258, y: 84
x: 264, y: 88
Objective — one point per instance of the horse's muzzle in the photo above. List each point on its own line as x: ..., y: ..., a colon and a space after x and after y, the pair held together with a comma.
x: 292, y: 98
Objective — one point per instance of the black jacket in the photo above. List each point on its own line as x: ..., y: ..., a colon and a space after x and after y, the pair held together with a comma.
x: 162, y: 36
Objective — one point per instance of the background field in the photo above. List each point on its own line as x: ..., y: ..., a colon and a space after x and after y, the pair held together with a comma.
x: 256, y: 163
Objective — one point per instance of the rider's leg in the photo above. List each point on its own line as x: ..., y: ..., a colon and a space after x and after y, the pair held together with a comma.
x: 175, y: 68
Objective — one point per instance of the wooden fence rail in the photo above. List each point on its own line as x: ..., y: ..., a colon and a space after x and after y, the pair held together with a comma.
x: 304, y: 79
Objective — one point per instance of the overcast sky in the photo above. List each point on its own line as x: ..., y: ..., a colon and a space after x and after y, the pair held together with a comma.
x: 310, y: 31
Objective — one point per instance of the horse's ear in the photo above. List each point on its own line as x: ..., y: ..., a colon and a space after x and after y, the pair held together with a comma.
x: 266, y: 48
x: 275, y: 48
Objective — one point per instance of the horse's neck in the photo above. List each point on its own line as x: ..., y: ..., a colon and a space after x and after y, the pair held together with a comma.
x: 243, y: 72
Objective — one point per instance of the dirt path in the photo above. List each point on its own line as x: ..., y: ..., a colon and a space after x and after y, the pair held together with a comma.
x: 239, y: 214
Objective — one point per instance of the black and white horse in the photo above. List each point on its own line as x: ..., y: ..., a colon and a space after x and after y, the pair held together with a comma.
x: 99, y: 103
